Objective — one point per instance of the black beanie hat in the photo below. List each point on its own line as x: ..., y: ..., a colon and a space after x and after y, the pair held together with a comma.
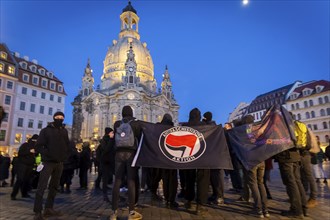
x: 58, y: 113
x: 34, y: 137
x: 127, y: 111
x: 107, y: 130
x: 208, y: 116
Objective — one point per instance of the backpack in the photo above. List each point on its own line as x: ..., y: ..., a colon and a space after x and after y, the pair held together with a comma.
x: 300, y: 131
x: 124, y: 136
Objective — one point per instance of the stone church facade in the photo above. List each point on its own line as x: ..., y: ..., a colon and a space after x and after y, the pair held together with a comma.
x: 127, y: 79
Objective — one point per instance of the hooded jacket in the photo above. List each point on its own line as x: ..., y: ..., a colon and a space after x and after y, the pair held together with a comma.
x: 194, y: 118
x: 53, y: 144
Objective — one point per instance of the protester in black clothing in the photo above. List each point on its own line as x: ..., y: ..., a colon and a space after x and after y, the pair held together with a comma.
x: 54, y: 146
x: 84, y: 165
x: 289, y: 165
x: 123, y: 161
x: 14, y: 169
x: 25, y: 167
x: 202, y: 176
x: 235, y: 175
x: 69, y: 166
x: 107, y: 160
x: 327, y: 151
x: 4, y: 169
x: 169, y: 176
x: 216, y: 175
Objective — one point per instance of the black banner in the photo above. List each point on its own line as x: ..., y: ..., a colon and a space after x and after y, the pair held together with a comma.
x: 183, y: 147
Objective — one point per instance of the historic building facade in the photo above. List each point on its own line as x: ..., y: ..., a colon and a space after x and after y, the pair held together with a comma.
x: 127, y: 79
x: 30, y: 95
x: 310, y: 103
x: 277, y: 96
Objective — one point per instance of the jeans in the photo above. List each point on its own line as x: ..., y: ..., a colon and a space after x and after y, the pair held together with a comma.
x: 307, y: 175
x: 52, y: 171
x: 255, y: 179
x: 290, y: 173
x: 123, y: 162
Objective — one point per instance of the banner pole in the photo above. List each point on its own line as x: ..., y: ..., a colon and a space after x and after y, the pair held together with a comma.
x: 138, y: 151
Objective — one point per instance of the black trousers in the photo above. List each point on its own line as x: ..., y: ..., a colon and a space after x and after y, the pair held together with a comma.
x: 123, y: 161
x: 217, y: 183
x: 54, y: 172
x: 24, y: 174
x: 170, y: 184
x: 66, y: 177
x: 202, y: 178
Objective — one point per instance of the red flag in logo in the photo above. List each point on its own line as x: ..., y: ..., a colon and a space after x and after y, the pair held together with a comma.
x: 181, y: 141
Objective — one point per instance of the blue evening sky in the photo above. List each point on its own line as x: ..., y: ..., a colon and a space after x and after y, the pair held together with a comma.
x: 219, y: 53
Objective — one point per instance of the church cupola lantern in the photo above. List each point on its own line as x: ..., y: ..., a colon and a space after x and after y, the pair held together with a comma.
x: 87, y: 80
x: 130, y: 79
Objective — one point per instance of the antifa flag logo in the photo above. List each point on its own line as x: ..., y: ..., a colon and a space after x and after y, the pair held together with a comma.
x: 182, y: 144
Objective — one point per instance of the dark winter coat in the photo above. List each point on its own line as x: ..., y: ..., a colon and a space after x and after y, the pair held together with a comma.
x: 85, y: 158
x: 73, y: 160
x: 24, y: 155
x: 106, y: 149
x: 4, y: 167
x: 53, y: 144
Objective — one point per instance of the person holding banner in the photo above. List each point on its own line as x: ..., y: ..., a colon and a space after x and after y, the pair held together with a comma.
x: 202, y: 176
x: 169, y: 176
x: 289, y: 165
x: 127, y: 134
x: 255, y: 181
x: 216, y: 175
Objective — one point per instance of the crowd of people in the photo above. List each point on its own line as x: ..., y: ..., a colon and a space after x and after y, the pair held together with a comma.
x: 50, y: 160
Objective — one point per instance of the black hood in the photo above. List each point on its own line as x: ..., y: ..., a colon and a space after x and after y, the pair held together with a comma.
x: 127, y: 111
x: 195, y: 115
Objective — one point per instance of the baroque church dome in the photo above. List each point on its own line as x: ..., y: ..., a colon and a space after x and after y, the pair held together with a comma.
x: 114, y: 62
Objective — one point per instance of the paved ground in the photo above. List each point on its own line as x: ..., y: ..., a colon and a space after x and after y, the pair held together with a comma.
x: 88, y: 204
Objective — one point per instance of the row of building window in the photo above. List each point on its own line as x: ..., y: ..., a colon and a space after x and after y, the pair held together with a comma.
x: 44, y: 82
x: 34, y: 93
x: 312, y: 114
x: 18, y: 137
x: 22, y: 107
x: 10, y: 86
x: 325, y: 125
x: 33, y: 68
x: 11, y: 69
x: 30, y: 124
x: 265, y: 105
x: 310, y: 103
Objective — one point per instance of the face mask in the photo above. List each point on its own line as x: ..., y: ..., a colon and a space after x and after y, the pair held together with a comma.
x: 58, y: 122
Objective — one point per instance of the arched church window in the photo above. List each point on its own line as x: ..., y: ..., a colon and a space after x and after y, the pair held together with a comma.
x: 130, y: 79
